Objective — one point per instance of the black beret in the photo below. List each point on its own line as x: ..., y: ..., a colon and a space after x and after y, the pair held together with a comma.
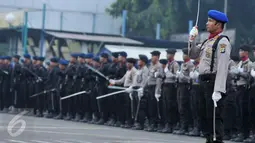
x: 104, y: 55
x: 40, y: 59
x: 155, y: 53
x: 131, y: 60
x: 245, y: 48
x: 185, y: 51
x: 144, y: 58
x: 171, y: 51
x: 54, y: 60
x: 16, y: 56
x: 163, y: 61
x: 115, y: 54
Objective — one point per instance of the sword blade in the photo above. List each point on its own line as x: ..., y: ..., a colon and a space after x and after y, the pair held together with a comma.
x: 117, y: 87
x: 96, y: 71
x: 198, y: 11
x: 43, y: 92
x: 110, y: 94
x: 72, y: 95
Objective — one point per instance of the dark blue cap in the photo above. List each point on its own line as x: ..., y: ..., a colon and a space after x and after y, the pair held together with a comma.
x: 41, y: 59
x: 74, y: 55
x: 123, y: 54
x: 96, y: 59
x: 171, y: 51
x: 155, y: 53
x: 63, y: 62
x: 104, y: 55
x: 89, y: 56
x: 144, y: 58
x: 82, y: 55
x: 54, y: 60
x: 27, y: 56
x: 218, y: 16
x: 131, y: 60
x: 1, y: 57
x: 115, y: 54
x: 16, y: 56
x: 163, y: 61
x: 35, y: 58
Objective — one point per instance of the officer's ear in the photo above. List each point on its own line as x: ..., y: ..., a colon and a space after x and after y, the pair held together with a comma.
x: 220, y: 24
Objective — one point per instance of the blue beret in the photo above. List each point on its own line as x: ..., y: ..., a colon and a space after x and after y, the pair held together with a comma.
x: 218, y: 16
x: 104, y: 55
x: 17, y: 56
x: 144, y: 58
x: 54, y: 60
x: 82, y: 55
x: 74, y: 55
x: 123, y: 54
x: 41, y: 58
x: 163, y: 61
x: 1, y: 57
x: 27, y: 56
x: 63, y: 62
x: 131, y: 60
x: 96, y: 59
x: 35, y: 58
x: 89, y: 56
x: 22, y: 61
x: 8, y: 58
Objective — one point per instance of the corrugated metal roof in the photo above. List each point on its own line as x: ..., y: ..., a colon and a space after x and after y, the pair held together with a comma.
x: 135, y: 51
x: 96, y: 38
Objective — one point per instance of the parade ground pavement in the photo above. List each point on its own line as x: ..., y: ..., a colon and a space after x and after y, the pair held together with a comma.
x: 42, y: 130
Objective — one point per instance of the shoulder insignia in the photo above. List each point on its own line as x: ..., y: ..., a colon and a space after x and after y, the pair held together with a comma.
x: 222, y: 48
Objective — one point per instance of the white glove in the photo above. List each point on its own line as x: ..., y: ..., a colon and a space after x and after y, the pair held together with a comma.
x: 130, y: 96
x: 240, y: 69
x: 157, y: 96
x: 216, y: 97
x: 252, y: 73
x: 169, y: 74
x: 140, y: 92
x: 112, y: 81
x: 178, y: 74
x: 166, y: 70
x: 191, y: 75
x: 195, y: 75
x: 193, y: 34
x: 129, y: 90
x: 156, y: 74
x: 234, y: 70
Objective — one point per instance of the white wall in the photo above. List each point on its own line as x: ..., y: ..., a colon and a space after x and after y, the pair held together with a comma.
x: 77, y: 14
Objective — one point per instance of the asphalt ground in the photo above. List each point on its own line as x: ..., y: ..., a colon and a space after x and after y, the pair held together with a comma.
x: 42, y: 130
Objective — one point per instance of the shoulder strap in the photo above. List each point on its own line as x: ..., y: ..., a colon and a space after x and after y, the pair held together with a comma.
x: 214, y: 48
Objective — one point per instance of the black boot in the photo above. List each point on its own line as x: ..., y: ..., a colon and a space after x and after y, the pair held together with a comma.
x: 137, y: 126
x: 167, y: 129
x: 77, y: 117
x: 59, y: 117
x: 195, y: 132
x: 68, y: 117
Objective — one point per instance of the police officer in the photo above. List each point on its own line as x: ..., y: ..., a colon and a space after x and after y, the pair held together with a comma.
x: 1, y: 82
x: 243, y: 83
x: 153, y: 90
x: 51, y: 83
x: 61, y: 89
x: 213, y: 71
x: 169, y: 92
x: 103, y: 83
x: 194, y: 99
x: 15, y: 83
x: 7, y: 83
x: 127, y: 80
x: 41, y: 71
x: 183, y: 96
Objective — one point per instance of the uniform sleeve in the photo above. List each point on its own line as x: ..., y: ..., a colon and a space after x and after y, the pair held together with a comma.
x: 194, y: 51
x: 121, y: 81
x: 145, y: 75
x: 133, y: 76
x: 223, y: 57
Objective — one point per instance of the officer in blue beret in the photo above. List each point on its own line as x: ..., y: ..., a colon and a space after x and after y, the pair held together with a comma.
x: 96, y: 62
x: 63, y: 62
x: 27, y: 56
x: 213, y: 71
x: 81, y: 58
x: 89, y: 58
x: 16, y: 58
x: 73, y: 58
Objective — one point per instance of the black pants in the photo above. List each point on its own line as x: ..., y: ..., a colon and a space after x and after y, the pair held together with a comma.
x: 39, y: 99
x: 6, y: 94
x: 229, y: 113
x: 143, y: 107
x: 152, y: 104
x: 207, y: 107
x: 183, y: 99
x: 170, y: 106
x: 242, y: 110
x: 252, y: 108
x: 194, y: 102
